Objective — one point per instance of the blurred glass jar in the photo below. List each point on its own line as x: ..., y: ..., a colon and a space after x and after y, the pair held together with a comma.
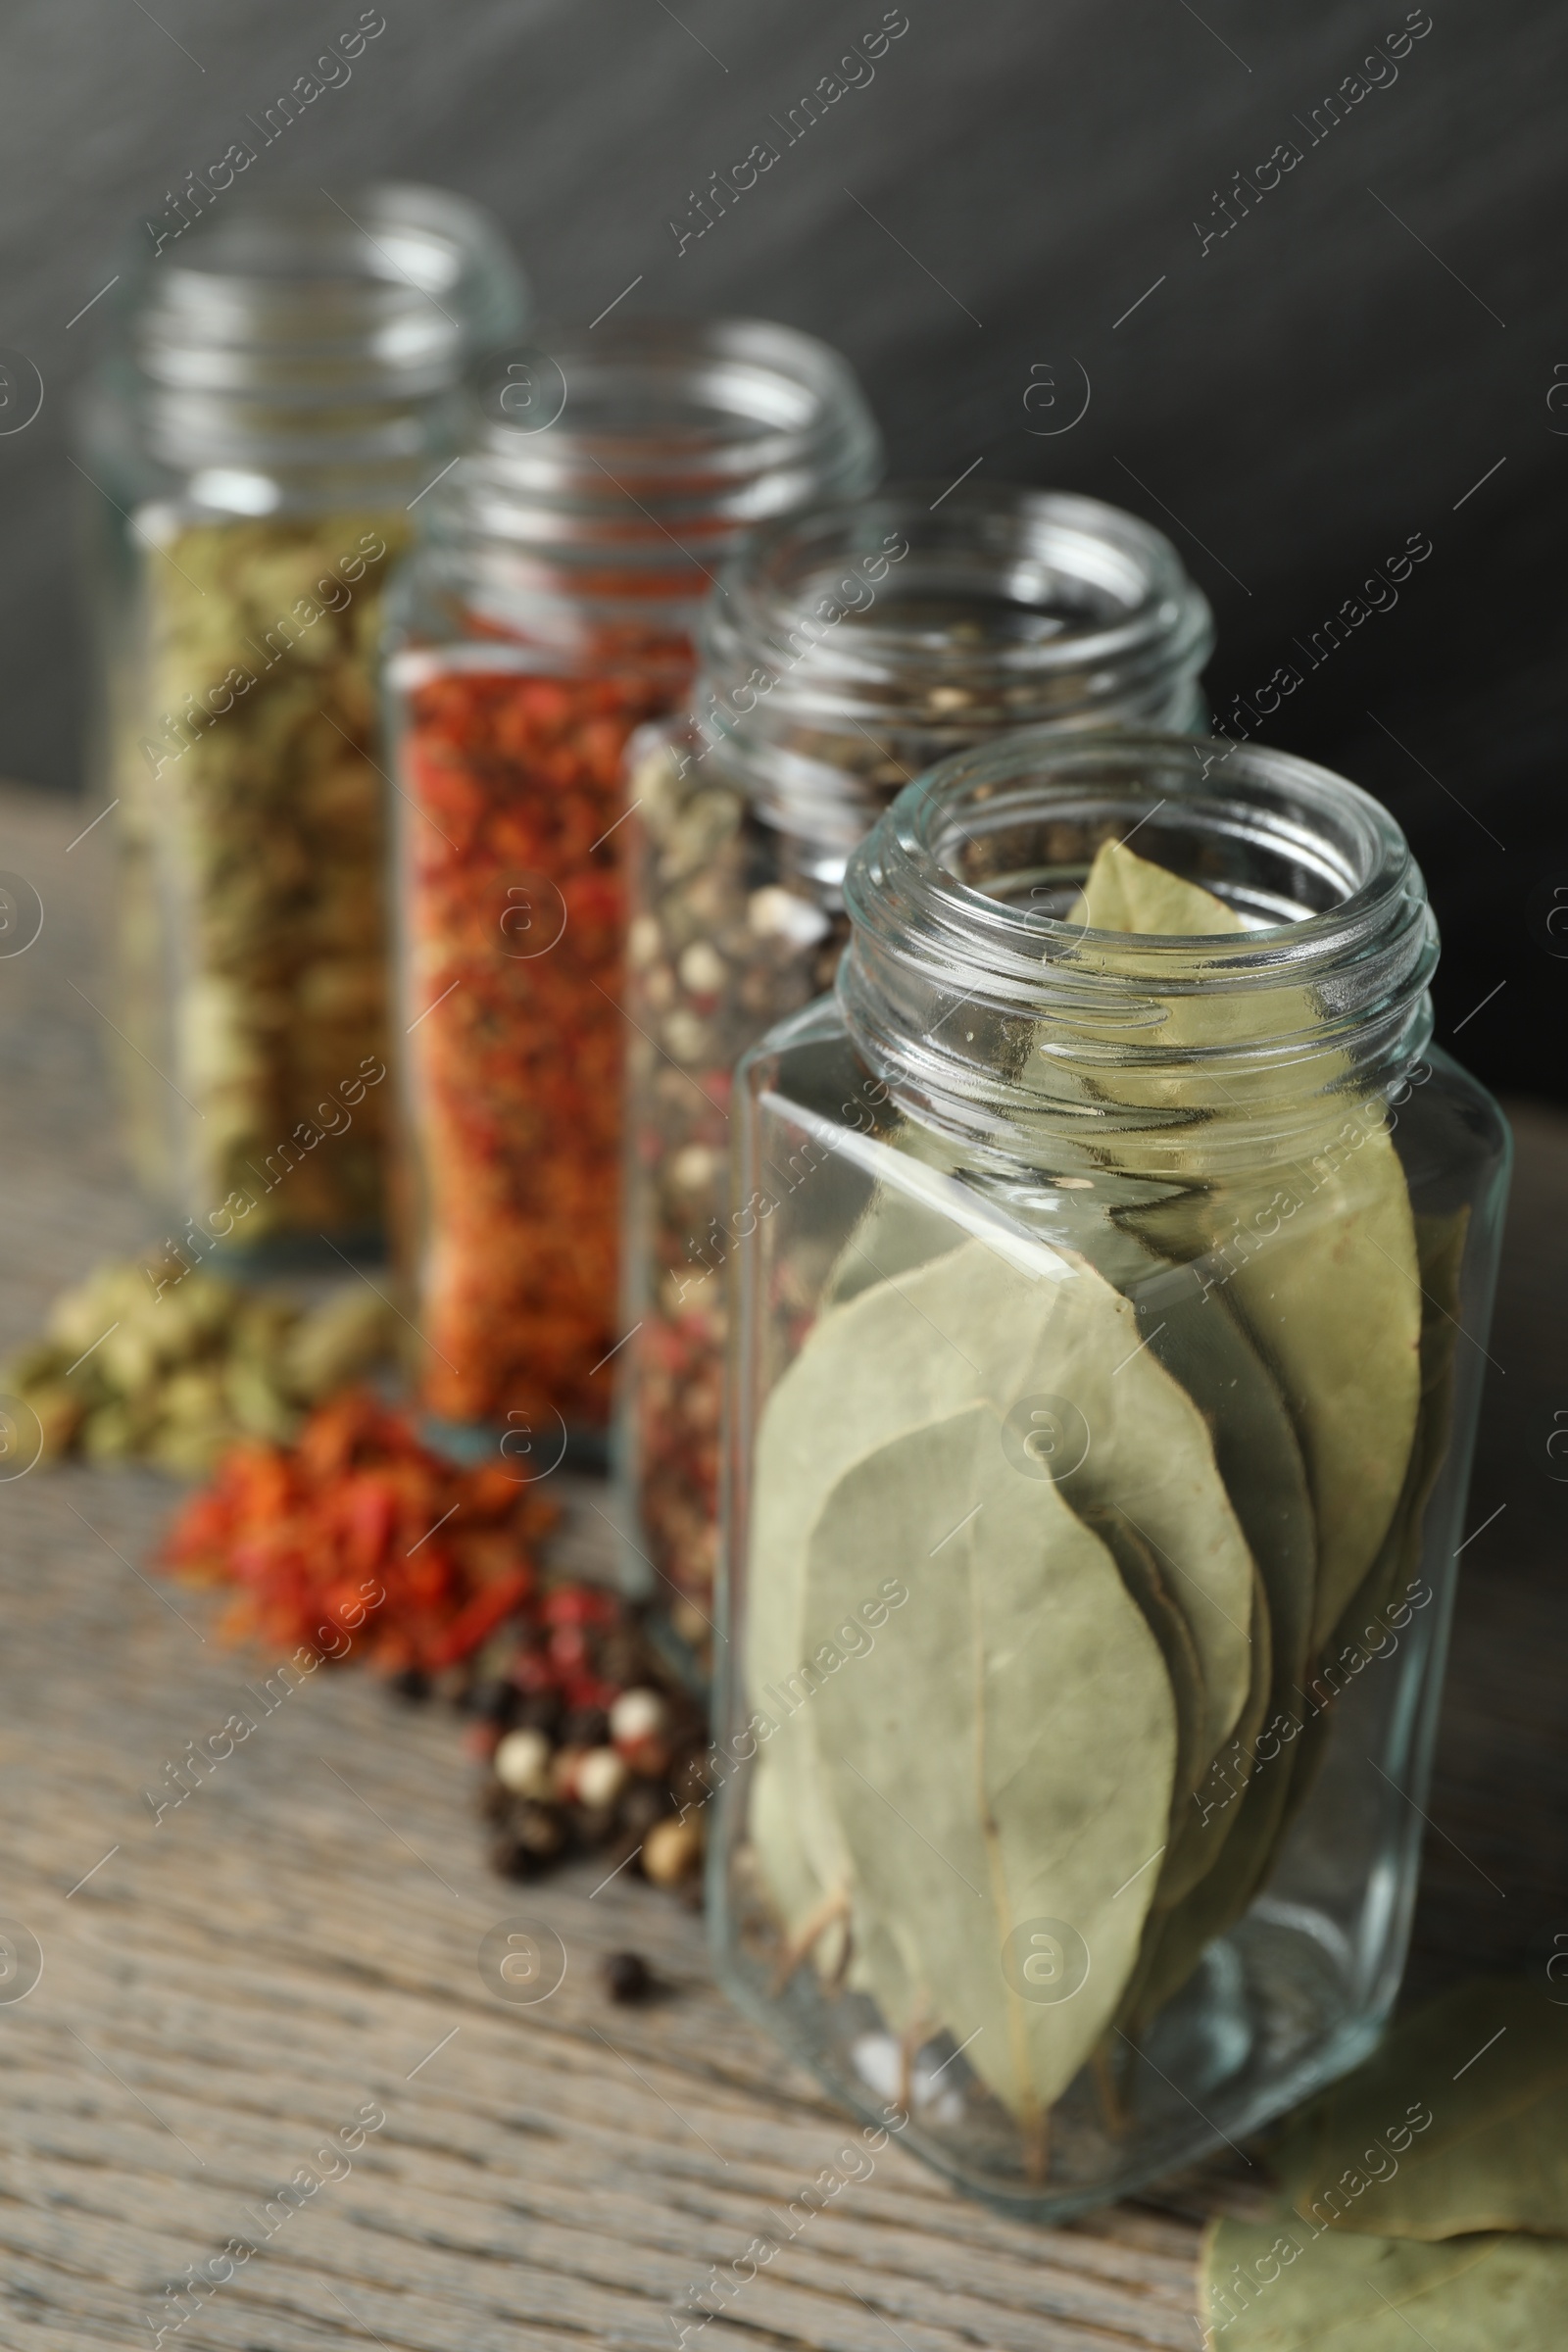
x: 1101, y: 1429
x: 281, y: 390
x: 846, y: 651
x: 549, y: 613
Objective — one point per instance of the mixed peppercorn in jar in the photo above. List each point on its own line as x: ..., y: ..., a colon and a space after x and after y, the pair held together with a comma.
x: 844, y: 654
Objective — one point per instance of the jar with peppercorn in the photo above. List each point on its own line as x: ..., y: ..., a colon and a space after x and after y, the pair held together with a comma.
x: 848, y: 650
x: 547, y: 613
x: 282, y: 388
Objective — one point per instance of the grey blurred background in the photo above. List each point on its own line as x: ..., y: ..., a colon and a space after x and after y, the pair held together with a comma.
x: 1009, y: 210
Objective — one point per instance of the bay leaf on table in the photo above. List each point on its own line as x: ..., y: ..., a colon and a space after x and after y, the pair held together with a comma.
x: 1487, y: 2067
x: 1268, y: 2288
x: 1332, y: 1293
x: 1006, y: 1763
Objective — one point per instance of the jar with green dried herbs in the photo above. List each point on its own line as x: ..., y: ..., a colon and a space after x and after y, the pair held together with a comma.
x: 1112, y: 1312
x: 846, y: 651
x: 281, y: 392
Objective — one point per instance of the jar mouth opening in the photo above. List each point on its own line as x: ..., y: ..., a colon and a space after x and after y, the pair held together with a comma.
x: 995, y: 584
x: 996, y: 842
x: 265, y: 310
x: 635, y: 429
x: 971, y: 987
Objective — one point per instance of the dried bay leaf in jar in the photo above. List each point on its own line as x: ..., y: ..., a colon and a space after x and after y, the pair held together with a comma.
x: 281, y: 392
x: 1093, y: 1503
x: 845, y: 652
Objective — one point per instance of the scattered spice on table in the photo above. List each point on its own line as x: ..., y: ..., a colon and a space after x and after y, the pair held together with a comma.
x: 589, y: 1744
x: 297, y: 1531
x: 593, y: 1749
x: 513, y: 923
x: 156, y: 1359
x: 627, y: 1976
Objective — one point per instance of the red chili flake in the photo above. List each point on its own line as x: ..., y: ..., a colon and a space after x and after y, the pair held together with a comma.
x: 360, y: 1531
x: 512, y: 915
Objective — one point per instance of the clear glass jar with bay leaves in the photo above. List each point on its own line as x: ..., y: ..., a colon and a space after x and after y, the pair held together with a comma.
x: 843, y: 652
x: 1117, y: 1262
x: 281, y: 390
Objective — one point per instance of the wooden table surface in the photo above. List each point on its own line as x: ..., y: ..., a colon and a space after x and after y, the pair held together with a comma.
x: 227, y: 1987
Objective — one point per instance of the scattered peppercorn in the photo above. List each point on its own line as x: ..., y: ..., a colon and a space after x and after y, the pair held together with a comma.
x: 627, y: 1976
x: 591, y: 1745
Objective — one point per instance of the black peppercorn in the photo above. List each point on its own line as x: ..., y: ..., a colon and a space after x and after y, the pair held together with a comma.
x: 540, y: 1711
x: 540, y: 1829
x: 494, y: 1702
x: 627, y: 1976
x: 586, y: 1726
x: 510, y: 1860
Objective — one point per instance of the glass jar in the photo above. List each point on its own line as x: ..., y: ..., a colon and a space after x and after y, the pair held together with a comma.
x: 1113, y: 1280
x: 548, y: 614
x: 849, y: 650
x: 281, y: 391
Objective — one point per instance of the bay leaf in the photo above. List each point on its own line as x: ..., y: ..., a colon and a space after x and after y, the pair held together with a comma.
x: 1139, y: 1572
x: 1206, y: 1348
x: 1203, y: 1346
x: 1487, y: 2068
x: 1176, y: 1940
x: 1149, y: 1453
x: 1268, y: 2288
x: 1126, y: 893
x: 1299, y: 1729
x: 1394, y: 1575
x: 1331, y: 1293
x: 1200, y: 1341
x: 1205, y: 1821
x: 1007, y: 1762
x: 974, y: 1324
x: 1440, y: 1256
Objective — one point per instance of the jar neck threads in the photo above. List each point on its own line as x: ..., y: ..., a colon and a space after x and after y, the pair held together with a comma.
x: 916, y: 621
x: 968, y: 986
x: 302, y: 335
x: 627, y: 462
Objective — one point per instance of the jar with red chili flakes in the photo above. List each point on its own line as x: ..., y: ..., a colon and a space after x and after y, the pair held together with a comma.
x: 848, y: 650
x: 548, y: 614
